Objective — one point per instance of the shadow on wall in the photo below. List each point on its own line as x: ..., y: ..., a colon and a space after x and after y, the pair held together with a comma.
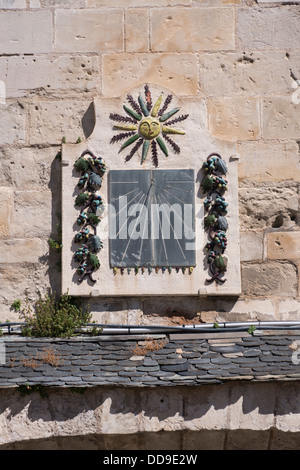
x: 167, y: 440
x: 53, y: 258
x: 88, y: 121
x: 126, y: 411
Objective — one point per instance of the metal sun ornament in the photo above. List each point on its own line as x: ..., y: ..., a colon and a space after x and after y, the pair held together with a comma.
x: 147, y: 125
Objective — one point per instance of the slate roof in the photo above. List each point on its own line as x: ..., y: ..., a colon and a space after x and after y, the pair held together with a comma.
x: 159, y: 360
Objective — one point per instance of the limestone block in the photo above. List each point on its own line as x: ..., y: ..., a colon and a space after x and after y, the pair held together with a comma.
x: 6, y: 210
x: 136, y: 30
x: 280, y: 118
x: 217, y: 2
x: 247, y: 73
x: 11, y: 4
x: 194, y: 29
x: 245, y: 310
x: 269, y: 279
x: 289, y: 310
x: 291, y: 420
x: 251, y: 246
x: 28, y: 168
x: 176, y: 71
x: 25, y: 32
x: 266, y: 28
x: 88, y: 30
x: 171, y: 311
x: 283, y: 245
x: 65, y: 73
x: 136, y: 3
x: 269, y: 161
x: 12, y: 124
x: 57, y: 3
x: 19, y: 281
x: 234, y: 119
x: 51, y: 121
x: 33, y: 214
x: 275, y: 1
x: 258, y: 210
x: 258, y: 400
x: 23, y: 250
x: 109, y: 311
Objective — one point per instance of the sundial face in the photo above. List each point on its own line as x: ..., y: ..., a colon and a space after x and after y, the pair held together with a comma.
x: 152, y: 218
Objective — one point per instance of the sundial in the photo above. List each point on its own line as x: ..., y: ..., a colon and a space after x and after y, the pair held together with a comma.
x: 162, y: 235
x: 142, y: 201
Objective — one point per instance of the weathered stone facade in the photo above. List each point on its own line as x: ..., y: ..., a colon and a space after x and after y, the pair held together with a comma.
x: 56, y: 57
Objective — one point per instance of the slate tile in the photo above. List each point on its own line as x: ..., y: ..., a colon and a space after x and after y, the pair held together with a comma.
x: 147, y: 368
x: 175, y: 367
x: 160, y: 373
x: 70, y: 379
x: 252, y: 353
x: 172, y: 361
x: 225, y: 349
x: 220, y: 360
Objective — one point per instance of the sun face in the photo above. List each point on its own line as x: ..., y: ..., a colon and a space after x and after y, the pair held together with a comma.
x: 149, y: 128
x: 147, y: 125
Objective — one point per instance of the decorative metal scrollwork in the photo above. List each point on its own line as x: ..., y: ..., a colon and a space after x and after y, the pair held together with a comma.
x: 215, y: 223
x: 92, y: 169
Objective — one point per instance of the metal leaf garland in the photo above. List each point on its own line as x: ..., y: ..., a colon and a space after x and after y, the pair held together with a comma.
x: 215, y: 222
x: 92, y: 169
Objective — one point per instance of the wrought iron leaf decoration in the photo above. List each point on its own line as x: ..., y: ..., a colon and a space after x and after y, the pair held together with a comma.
x: 92, y: 169
x: 215, y: 222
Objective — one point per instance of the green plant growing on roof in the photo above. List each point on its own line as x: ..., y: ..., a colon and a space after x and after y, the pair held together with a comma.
x: 251, y: 329
x: 54, y: 317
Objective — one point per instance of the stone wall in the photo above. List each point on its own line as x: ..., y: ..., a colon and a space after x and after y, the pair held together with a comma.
x: 240, y: 57
x: 235, y: 416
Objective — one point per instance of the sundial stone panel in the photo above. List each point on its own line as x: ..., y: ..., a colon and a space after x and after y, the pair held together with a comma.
x: 140, y: 266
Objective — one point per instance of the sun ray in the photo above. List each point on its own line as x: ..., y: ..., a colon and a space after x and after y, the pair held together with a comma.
x: 167, y: 116
x: 165, y: 105
x: 154, y: 153
x: 130, y: 141
x: 171, y: 130
x: 121, y: 136
x: 183, y: 117
x: 117, y: 117
x: 134, y: 105
x: 173, y: 144
x: 134, y: 150
x: 132, y: 113
x: 126, y: 127
x: 143, y: 106
x: 146, y: 146
x: 162, y: 145
x: 148, y: 97
x: 156, y: 106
